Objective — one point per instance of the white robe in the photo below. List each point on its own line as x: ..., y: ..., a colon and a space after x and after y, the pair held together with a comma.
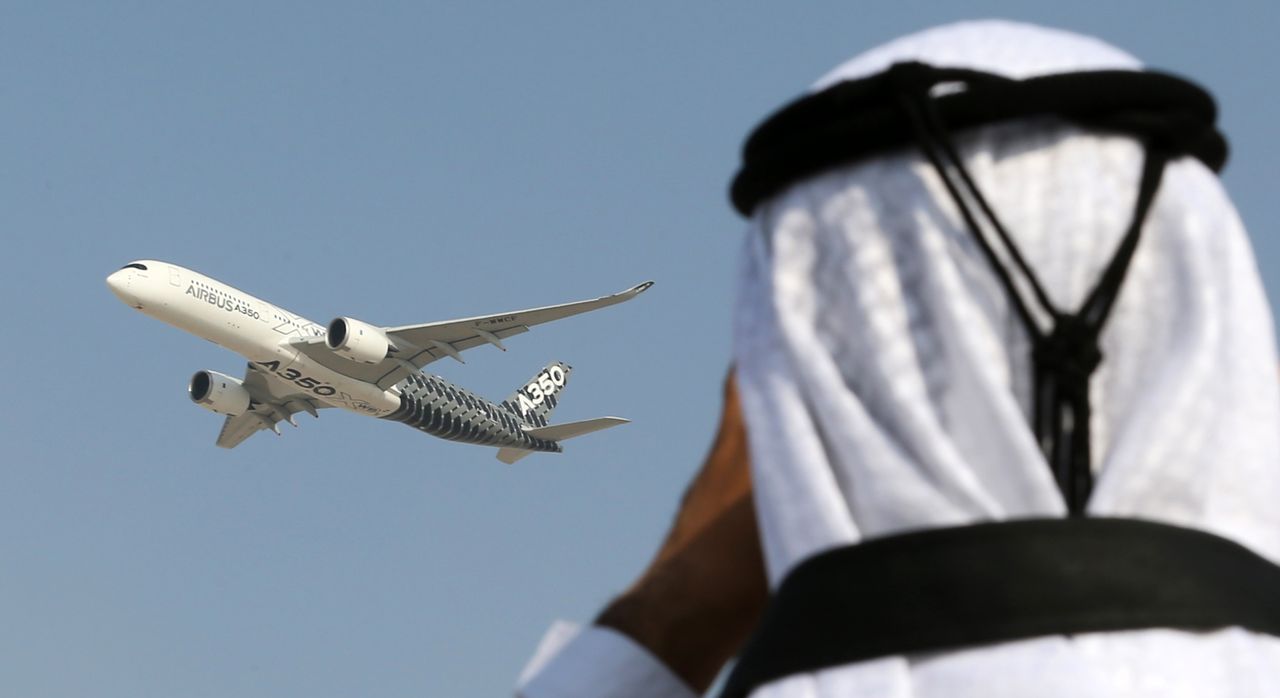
x: 886, y: 384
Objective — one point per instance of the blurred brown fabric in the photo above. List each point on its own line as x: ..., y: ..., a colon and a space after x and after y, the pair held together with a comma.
x: 702, y: 594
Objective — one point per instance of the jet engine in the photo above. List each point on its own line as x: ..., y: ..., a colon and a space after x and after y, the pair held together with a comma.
x: 357, y: 341
x: 219, y: 393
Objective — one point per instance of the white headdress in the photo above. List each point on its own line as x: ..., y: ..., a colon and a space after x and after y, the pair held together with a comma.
x: 885, y: 379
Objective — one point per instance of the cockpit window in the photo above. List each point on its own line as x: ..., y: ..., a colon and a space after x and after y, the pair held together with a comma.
x: 135, y: 265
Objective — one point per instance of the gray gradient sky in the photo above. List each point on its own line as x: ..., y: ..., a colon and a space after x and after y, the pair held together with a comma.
x: 403, y: 163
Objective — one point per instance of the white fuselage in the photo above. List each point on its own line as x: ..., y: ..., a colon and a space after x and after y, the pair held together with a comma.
x: 255, y: 329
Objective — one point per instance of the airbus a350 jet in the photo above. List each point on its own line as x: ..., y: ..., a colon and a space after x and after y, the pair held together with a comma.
x: 297, y: 366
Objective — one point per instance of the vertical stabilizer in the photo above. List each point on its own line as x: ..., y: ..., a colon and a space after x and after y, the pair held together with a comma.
x: 535, y: 400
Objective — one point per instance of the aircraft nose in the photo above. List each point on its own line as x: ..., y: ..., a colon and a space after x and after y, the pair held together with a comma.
x: 119, y: 284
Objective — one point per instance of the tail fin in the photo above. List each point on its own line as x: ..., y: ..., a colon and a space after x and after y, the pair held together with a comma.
x: 560, y: 432
x: 536, y: 399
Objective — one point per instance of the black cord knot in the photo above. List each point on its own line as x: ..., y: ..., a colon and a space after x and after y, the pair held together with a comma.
x: 1070, y: 353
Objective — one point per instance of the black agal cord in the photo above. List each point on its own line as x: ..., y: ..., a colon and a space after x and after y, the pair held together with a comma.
x: 856, y: 119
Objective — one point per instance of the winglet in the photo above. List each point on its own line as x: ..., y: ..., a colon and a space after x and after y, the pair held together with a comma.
x: 637, y: 289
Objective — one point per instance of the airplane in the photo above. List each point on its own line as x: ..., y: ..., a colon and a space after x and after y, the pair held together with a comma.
x: 296, y: 365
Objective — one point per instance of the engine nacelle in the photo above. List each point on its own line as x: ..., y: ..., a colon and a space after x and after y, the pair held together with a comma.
x: 219, y: 393
x: 357, y: 341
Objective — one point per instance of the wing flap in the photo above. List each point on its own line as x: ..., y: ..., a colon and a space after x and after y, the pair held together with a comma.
x: 465, y: 329
x: 436, y: 340
x: 238, y: 428
x: 273, y: 401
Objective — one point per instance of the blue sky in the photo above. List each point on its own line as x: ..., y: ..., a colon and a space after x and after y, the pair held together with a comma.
x: 403, y: 163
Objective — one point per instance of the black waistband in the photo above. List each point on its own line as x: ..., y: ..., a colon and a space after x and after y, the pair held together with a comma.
x: 993, y: 582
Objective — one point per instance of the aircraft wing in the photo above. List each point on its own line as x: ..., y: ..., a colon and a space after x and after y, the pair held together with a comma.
x: 418, y: 345
x: 272, y: 401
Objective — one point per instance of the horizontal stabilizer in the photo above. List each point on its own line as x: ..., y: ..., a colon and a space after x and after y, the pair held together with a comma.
x: 559, y: 432
x: 511, y: 455
x: 568, y: 430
